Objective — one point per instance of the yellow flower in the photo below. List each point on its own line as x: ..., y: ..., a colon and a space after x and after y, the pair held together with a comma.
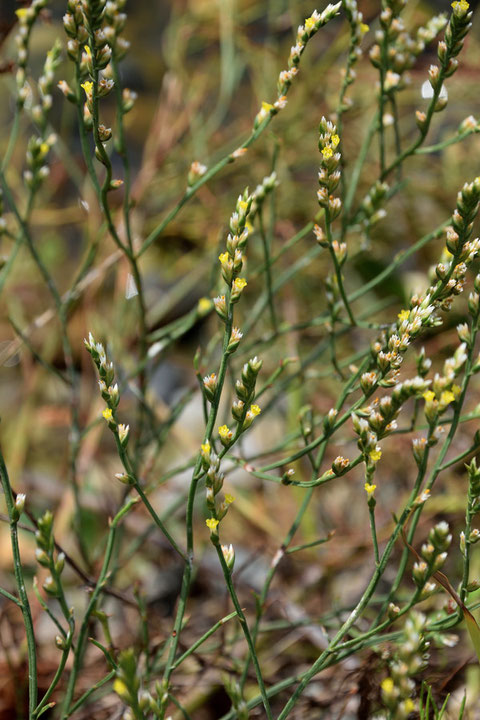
x: 309, y: 23
x: 335, y: 140
x: 225, y: 432
x: 375, y: 455
x: 239, y: 284
x: 211, y: 523
x: 243, y: 204
x: 121, y: 689
x: 387, y: 685
x: 224, y: 257
x: 205, y: 448
x: 266, y: 107
x: 87, y: 50
x: 21, y: 13
x: 429, y: 396
x: 229, y: 499
x: 107, y: 414
x: 447, y: 397
x: 255, y: 410
x: 456, y: 390
x: 327, y: 152
x: 403, y: 315
x: 409, y: 705
x: 462, y: 4
x: 88, y: 87
x: 369, y: 489
x: 44, y: 148
x: 364, y: 28
x: 204, y: 305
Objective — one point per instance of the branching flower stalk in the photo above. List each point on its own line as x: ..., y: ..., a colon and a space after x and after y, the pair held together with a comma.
x: 264, y: 116
x: 121, y: 432
x: 328, y: 178
x: 231, y: 263
x: 36, y: 173
x: 458, y: 26
x: 27, y: 18
x: 97, y: 25
x: 284, y: 548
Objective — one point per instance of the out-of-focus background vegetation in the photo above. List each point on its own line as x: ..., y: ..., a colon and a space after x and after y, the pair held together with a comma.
x: 201, y: 69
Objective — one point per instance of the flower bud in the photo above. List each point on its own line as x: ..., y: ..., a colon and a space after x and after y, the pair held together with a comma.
x: 288, y: 476
x: 18, y: 507
x: 42, y: 557
x: 210, y: 386
x: 197, y: 170
x: 50, y: 586
x: 237, y: 409
x: 234, y: 341
x: 60, y: 642
x: 229, y: 556
x: 125, y: 478
x: 60, y: 563
x: 104, y: 133
x: 123, y: 434
x: 419, y: 573
x: 128, y: 100
x: 421, y: 120
x: 220, y: 307
x: 340, y: 464
x: 393, y: 611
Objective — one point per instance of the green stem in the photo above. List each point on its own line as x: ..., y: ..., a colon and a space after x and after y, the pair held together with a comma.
x: 360, y: 607
x: 83, y: 698
x: 268, y: 270
x: 82, y: 635
x: 191, y: 191
x: 357, y: 171
x: 11, y: 597
x: 204, y: 637
x: 188, y: 570
x: 244, y: 625
x: 434, y: 472
x: 121, y: 147
x: 411, y: 149
x: 67, y: 351
x: 20, y: 582
x: 157, y: 520
x: 338, y: 269
x: 283, y: 550
x: 455, y: 460
x: 371, y: 514
x: 56, y: 678
x: 446, y: 143
x: 12, y: 139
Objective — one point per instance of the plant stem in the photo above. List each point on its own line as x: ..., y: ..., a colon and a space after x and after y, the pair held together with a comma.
x: 20, y: 582
x: 268, y: 271
x: 244, y: 625
x: 82, y: 635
